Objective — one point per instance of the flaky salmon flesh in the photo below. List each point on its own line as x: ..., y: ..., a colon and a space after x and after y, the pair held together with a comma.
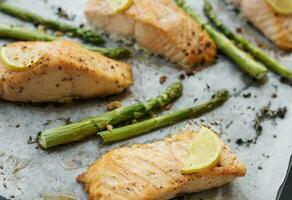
x: 65, y: 71
x: 276, y: 27
x: 158, y: 25
x: 153, y: 171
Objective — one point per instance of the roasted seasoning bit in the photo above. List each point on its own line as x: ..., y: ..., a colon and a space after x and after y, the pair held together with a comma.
x: 23, y: 48
x: 63, y: 14
x: 41, y: 28
x: 274, y: 95
x: 59, y: 33
x: 246, y: 95
x: 47, y: 122
x: 207, y: 86
x: 239, y: 141
x: 113, y: 105
x: 162, y: 79
x: 182, y: 76
x: 239, y: 30
x: 31, y: 140
x: 109, y: 127
x: 67, y: 121
x: 262, y: 45
x: 168, y: 106
x: 190, y: 73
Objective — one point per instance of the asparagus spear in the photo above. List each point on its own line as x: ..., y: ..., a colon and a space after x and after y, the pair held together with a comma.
x: 87, y: 127
x: 25, y: 34
x: 86, y: 35
x: 258, y: 53
x: 245, y: 61
x: 148, y: 125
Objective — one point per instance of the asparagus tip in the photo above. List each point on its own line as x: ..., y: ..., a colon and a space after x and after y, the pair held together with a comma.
x: 123, y: 53
x: 221, y: 94
x: 176, y: 87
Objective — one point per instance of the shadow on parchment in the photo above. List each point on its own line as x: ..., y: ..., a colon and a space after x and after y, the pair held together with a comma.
x: 228, y: 191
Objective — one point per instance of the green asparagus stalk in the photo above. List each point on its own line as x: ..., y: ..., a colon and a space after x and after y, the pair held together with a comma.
x: 227, y: 47
x: 25, y: 34
x: 14, y: 32
x: 139, y: 128
x: 90, y: 126
x: 70, y: 30
x: 258, y: 53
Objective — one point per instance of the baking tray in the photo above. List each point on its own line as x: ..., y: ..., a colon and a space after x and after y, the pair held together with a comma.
x: 27, y: 172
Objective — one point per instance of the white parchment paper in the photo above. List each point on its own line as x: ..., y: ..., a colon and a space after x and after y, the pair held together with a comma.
x: 30, y: 173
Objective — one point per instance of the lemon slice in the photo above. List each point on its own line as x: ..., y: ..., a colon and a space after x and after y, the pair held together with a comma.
x: 19, y: 57
x: 120, y: 5
x: 281, y: 6
x: 204, y: 153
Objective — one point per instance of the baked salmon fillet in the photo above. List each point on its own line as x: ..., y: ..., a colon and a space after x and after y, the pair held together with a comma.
x: 276, y: 27
x: 158, y: 25
x: 153, y: 171
x: 64, y: 71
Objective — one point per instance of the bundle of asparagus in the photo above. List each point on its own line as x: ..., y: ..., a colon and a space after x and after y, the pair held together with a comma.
x: 14, y: 32
x: 78, y: 131
x: 258, y: 53
x: 148, y: 125
x: 72, y: 31
x: 90, y: 126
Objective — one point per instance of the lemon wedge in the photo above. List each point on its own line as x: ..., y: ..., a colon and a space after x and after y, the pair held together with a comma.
x: 281, y: 6
x: 120, y: 5
x: 19, y: 57
x: 204, y: 153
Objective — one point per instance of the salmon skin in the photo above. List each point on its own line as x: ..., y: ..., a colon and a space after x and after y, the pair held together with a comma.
x: 153, y: 171
x: 158, y: 25
x: 64, y: 72
x: 276, y: 27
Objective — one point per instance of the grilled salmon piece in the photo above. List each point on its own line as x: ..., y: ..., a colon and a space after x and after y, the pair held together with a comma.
x: 276, y: 27
x: 65, y: 71
x: 153, y: 171
x: 158, y: 25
